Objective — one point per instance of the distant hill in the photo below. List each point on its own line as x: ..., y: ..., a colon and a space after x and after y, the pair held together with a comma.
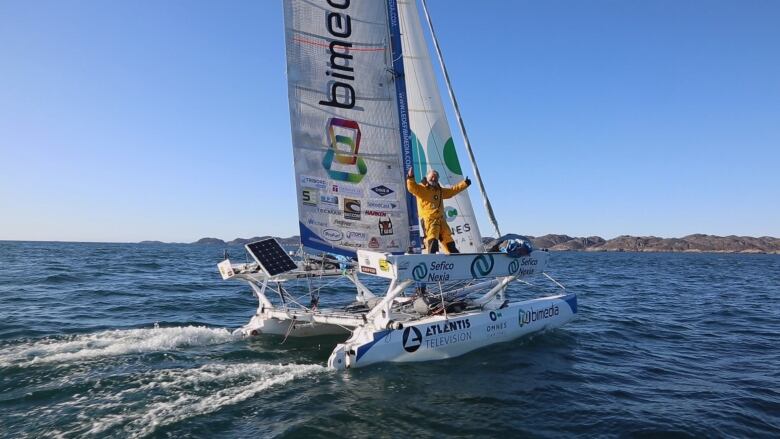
x: 690, y: 243
x: 242, y: 241
x: 624, y: 243
x: 210, y: 241
x: 293, y: 240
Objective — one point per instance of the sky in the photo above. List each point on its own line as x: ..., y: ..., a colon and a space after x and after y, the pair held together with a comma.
x: 148, y: 120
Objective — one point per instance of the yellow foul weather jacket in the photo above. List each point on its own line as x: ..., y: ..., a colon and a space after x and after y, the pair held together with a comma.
x: 430, y: 204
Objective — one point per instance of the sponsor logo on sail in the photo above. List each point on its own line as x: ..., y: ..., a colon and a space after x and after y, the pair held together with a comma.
x: 314, y: 222
x: 338, y: 222
x: 481, y: 266
x: 351, y: 209
x: 340, y: 70
x: 527, y: 316
x: 385, y: 227
x: 313, y: 182
x: 382, y: 190
x: 369, y: 270
x: 346, y: 190
x: 328, y: 211
x: 373, y: 243
x: 393, y: 244
x: 384, y: 265
x: 344, y: 136
x: 375, y: 213
x: 329, y: 199
x: 381, y: 205
x: 341, y: 159
x: 332, y: 234
x: 450, y: 213
x: 309, y: 197
x: 351, y: 234
x: 412, y: 339
x: 460, y: 229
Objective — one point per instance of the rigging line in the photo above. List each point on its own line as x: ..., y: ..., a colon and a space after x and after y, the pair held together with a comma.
x: 457, y: 200
x: 485, y: 199
x: 289, y: 330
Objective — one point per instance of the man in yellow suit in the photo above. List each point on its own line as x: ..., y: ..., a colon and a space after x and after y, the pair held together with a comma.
x: 430, y: 205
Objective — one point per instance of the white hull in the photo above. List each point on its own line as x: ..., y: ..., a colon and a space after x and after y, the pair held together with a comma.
x: 437, y: 337
x: 262, y: 324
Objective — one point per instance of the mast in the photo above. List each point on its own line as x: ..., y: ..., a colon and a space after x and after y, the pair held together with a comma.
x: 485, y: 200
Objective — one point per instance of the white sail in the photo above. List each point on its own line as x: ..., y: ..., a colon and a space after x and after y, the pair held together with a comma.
x: 432, y: 144
x: 349, y: 126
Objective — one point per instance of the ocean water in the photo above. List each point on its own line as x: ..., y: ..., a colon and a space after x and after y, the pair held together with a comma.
x: 125, y: 340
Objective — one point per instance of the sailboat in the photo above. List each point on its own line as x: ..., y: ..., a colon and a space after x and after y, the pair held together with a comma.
x: 365, y: 108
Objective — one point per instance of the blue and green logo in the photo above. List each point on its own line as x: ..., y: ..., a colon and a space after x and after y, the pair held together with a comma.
x: 481, y: 266
x: 450, y: 213
x: 420, y: 271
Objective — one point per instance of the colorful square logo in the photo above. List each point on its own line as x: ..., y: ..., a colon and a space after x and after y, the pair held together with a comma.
x: 344, y: 136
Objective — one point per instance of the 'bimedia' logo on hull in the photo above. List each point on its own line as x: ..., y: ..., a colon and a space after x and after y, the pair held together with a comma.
x: 526, y: 317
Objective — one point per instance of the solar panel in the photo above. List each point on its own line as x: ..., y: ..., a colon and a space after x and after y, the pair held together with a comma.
x: 271, y: 256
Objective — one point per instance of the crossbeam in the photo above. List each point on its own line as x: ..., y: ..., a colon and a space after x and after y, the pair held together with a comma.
x: 442, y: 268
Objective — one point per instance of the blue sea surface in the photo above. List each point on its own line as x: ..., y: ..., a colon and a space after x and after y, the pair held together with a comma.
x: 132, y: 340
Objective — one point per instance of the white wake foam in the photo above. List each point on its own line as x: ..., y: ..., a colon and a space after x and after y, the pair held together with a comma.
x: 111, y: 343
x: 156, y: 399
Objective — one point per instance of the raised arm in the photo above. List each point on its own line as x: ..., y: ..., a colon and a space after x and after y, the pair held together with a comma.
x: 455, y: 190
x: 414, y: 188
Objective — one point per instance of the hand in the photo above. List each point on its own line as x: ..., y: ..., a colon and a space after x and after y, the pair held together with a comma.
x: 410, y: 174
x: 468, y: 181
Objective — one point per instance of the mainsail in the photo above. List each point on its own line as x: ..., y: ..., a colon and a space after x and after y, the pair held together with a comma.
x: 349, y: 126
x: 432, y: 144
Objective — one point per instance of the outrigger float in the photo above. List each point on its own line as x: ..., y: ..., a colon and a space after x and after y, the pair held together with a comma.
x: 365, y: 109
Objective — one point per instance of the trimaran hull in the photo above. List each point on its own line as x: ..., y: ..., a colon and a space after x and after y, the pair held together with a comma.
x: 433, y: 338
x: 365, y: 111
x: 441, y: 337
